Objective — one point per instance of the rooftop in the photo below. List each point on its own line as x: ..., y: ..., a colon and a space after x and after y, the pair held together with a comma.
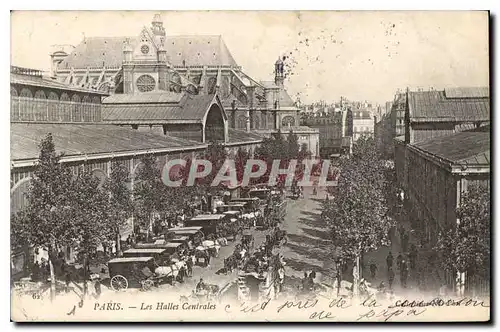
x: 87, y: 139
x: 461, y: 104
x: 159, y: 107
x: 195, y: 50
x: 469, y: 147
x: 22, y: 78
x: 240, y: 136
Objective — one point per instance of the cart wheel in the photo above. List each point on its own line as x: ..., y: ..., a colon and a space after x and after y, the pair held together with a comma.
x: 119, y: 283
x: 147, y: 285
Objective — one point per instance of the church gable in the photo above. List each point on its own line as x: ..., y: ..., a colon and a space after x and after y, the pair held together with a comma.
x: 145, y: 48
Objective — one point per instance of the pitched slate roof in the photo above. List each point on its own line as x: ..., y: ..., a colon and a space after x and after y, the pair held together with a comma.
x: 87, y: 139
x: 138, y: 108
x: 285, y: 99
x: 360, y: 114
x: 240, y: 136
x: 196, y: 50
x: 469, y: 147
x: 465, y: 104
x: 146, y: 97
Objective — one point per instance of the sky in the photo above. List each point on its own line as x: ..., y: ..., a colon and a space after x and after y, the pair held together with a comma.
x: 360, y: 55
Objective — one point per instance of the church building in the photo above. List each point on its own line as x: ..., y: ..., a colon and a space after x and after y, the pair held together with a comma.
x: 155, y: 82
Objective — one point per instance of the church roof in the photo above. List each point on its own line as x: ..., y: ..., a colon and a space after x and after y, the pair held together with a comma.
x: 285, y: 99
x: 195, y: 50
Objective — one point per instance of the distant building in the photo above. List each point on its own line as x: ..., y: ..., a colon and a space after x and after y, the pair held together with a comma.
x: 335, y: 132
x: 362, y: 123
x: 430, y: 114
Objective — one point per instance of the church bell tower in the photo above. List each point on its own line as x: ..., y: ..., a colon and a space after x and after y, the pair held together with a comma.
x: 157, y: 26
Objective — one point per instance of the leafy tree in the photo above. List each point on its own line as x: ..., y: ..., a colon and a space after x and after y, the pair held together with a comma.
x: 89, y: 211
x: 149, y: 193
x: 120, y: 201
x: 304, y: 152
x: 47, y: 219
x: 357, y: 215
x: 466, y: 247
x: 240, y: 162
x: 293, y: 145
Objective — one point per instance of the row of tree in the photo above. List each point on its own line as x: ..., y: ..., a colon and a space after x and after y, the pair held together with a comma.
x: 358, y: 215
x: 79, y: 211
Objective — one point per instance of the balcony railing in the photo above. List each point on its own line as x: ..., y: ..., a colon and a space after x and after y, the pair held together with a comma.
x: 45, y: 110
x: 25, y: 71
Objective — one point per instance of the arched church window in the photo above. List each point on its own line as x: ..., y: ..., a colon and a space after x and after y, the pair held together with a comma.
x: 14, y: 104
x: 145, y: 83
x: 212, y: 81
x: 288, y: 121
x: 226, y: 87
x: 242, y: 122
x: 256, y: 121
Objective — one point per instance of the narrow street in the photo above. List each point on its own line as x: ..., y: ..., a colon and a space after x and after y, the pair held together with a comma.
x: 308, y: 244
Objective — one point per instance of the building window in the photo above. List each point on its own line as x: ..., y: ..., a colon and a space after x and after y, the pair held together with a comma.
x: 288, y: 121
x: 242, y: 122
x: 53, y: 106
x: 14, y: 104
x: 146, y: 83
x: 145, y: 49
x: 64, y: 108
x: 40, y: 113
x: 26, y: 104
x: 88, y: 115
x: 76, y: 108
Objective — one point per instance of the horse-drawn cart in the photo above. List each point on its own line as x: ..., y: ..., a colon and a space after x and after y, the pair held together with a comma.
x: 247, y: 239
x: 131, y: 272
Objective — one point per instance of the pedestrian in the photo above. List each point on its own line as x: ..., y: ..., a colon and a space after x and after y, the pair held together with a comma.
x: 390, y: 276
x: 413, y: 257
x: 402, y: 233
x: 389, y: 259
x: 97, y: 287
x: 304, y: 281
x: 399, y: 260
x: 338, y: 277
x: 67, y: 279
x: 406, y: 239
x: 404, y: 273
x: 373, y: 270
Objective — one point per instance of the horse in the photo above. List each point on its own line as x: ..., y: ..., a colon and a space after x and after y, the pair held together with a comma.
x: 172, y: 272
x: 230, y: 263
x: 279, y: 238
x: 213, y: 247
x: 222, y: 241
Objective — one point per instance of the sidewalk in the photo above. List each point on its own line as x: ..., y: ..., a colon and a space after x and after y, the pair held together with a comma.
x: 430, y: 277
